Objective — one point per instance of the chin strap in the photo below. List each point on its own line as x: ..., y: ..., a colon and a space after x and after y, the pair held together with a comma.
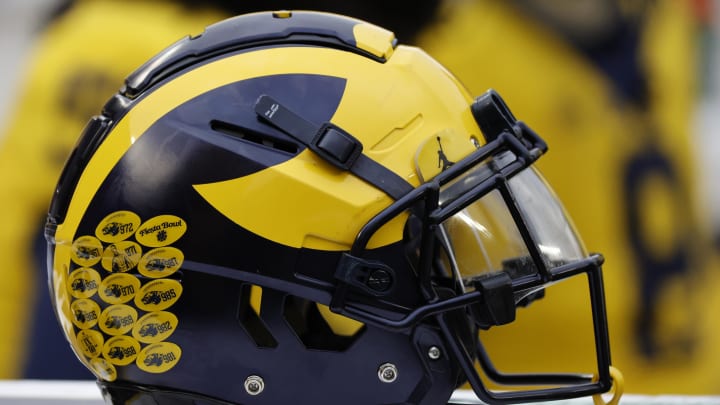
x: 616, y: 390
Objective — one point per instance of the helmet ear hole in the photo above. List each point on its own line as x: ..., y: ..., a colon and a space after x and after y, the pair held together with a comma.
x: 313, y: 328
x: 341, y: 325
x: 249, y: 316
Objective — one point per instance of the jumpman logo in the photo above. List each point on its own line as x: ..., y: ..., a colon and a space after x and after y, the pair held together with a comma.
x: 443, y: 161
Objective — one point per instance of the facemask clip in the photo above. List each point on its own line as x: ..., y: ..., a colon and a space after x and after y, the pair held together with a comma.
x: 498, y: 306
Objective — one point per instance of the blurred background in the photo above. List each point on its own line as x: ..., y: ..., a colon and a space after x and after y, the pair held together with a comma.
x: 626, y: 92
x: 20, y: 21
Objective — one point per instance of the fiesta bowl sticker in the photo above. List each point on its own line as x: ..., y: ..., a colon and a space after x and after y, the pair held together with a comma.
x: 161, y: 262
x: 121, y: 350
x: 119, y: 288
x: 121, y: 256
x: 83, y: 282
x: 86, y: 251
x: 103, y: 369
x: 161, y: 230
x: 117, y: 319
x: 155, y: 327
x: 117, y: 226
x: 85, y: 313
x: 90, y: 342
x: 158, y: 295
x: 159, y: 358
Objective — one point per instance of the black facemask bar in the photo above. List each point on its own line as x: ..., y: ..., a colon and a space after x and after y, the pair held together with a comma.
x: 494, y: 294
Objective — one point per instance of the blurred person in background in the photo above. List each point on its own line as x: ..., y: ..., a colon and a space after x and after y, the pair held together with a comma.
x: 618, y: 84
x: 616, y: 80
x: 80, y: 60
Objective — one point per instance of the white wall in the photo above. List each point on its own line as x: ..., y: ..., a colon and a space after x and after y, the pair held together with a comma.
x: 19, y: 21
x: 708, y: 123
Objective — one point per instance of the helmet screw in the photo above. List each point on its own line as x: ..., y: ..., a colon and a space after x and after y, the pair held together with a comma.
x: 387, y: 373
x: 379, y: 280
x: 254, y: 385
x: 434, y: 353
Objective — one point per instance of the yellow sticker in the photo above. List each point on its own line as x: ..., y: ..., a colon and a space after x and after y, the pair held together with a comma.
x: 85, y: 313
x: 155, y: 327
x: 161, y: 230
x: 161, y: 262
x: 117, y: 319
x: 158, y: 295
x: 103, y: 369
x: 121, y: 350
x: 159, y: 358
x: 121, y: 256
x: 90, y: 342
x: 86, y: 250
x: 83, y: 282
x: 119, y: 288
x: 117, y: 226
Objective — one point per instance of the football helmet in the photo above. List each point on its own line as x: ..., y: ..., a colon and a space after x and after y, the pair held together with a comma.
x: 293, y: 208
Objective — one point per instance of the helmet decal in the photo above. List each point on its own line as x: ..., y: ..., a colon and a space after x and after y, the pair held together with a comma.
x: 117, y: 319
x: 155, y: 327
x: 121, y: 257
x: 159, y: 357
x: 117, y: 226
x: 85, y: 313
x: 160, y: 262
x: 118, y: 297
x: 84, y: 282
x: 161, y: 230
x: 86, y: 250
x: 158, y: 294
x: 118, y: 288
x: 121, y: 350
x: 103, y: 368
x: 90, y: 342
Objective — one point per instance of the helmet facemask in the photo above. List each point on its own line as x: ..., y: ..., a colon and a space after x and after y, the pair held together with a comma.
x: 489, y: 226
